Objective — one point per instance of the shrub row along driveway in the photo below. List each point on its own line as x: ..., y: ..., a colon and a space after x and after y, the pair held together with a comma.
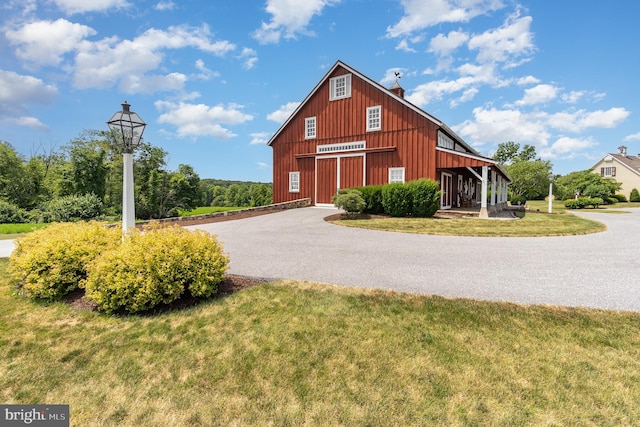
x: 599, y: 270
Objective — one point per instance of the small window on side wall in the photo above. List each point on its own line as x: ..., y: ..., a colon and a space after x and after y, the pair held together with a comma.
x: 294, y: 182
x: 396, y: 175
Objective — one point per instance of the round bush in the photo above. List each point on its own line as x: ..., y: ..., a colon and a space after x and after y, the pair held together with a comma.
x: 372, y: 195
x: 155, y: 267
x: 351, y: 201
x: 620, y: 197
x: 72, y: 208
x: 51, y: 262
x: 634, y: 196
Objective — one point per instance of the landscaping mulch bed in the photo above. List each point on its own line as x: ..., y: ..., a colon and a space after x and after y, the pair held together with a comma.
x: 231, y: 284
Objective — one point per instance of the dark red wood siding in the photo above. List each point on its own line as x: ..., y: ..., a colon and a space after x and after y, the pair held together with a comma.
x: 413, y: 136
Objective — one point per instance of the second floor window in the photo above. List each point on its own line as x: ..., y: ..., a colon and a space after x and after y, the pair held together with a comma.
x: 310, y: 127
x: 374, y: 118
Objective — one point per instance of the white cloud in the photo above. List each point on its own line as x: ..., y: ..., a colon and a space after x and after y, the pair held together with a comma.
x: 523, y: 81
x: 25, y: 121
x: 567, y: 147
x: 82, y: 6
x: 250, y: 58
x: 421, y: 14
x: 538, y: 95
x: 205, y: 73
x: 18, y: 93
x: 106, y: 62
x: 403, y: 45
x: 45, y: 42
x: 260, y: 138
x: 263, y: 165
x: 289, y: 18
x: 445, y: 45
x: 632, y: 137
x: 511, y: 41
x: 283, y: 113
x: 202, y: 120
x: 165, y: 5
x: 581, y: 120
x: 496, y: 126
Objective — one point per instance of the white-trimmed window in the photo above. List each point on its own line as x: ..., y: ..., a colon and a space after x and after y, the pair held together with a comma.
x: 374, y: 118
x: 396, y: 175
x: 340, y: 87
x: 294, y: 182
x: 608, y: 171
x: 309, y: 128
x: 444, y: 141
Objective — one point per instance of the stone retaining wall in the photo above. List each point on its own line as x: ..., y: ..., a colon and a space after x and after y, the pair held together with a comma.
x: 204, y: 218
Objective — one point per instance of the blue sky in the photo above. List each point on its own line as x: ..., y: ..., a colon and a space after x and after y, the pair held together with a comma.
x: 214, y: 80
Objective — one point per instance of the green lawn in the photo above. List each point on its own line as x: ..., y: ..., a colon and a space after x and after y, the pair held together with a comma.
x: 290, y: 353
x: 207, y: 210
x: 532, y: 224
x: 13, y: 231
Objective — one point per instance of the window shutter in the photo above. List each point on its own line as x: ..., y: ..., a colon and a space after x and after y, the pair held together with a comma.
x: 347, y: 83
x: 601, y: 171
x: 613, y: 171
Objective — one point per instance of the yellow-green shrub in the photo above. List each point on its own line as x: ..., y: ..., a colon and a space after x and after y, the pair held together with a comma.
x: 51, y: 262
x: 156, y: 266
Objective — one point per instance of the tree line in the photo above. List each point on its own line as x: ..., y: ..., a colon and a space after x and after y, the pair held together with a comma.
x: 86, y: 175
x: 530, y: 177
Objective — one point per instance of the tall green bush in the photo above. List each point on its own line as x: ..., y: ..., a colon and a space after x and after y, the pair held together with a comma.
x: 155, y: 267
x: 12, y: 214
x: 51, y: 262
x: 397, y: 199
x: 372, y: 195
x: 425, y: 197
x: 71, y: 208
x: 634, y: 196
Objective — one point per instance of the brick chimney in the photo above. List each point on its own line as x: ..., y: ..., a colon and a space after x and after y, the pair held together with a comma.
x: 397, y: 89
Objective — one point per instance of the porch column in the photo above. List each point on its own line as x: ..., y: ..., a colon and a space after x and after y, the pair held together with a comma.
x: 493, y: 190
x: 483, y: 193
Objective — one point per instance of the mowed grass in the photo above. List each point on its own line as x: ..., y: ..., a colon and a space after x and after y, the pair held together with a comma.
x: 532, y: 224
x: 207, y: 210
x: 289, y: 353
x: 13, y: 231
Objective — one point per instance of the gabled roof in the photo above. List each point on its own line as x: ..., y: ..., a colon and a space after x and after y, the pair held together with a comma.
x: 387, y: 92
x: 630, y: 162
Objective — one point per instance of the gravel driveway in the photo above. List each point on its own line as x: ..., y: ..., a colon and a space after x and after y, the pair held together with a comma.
x: 599, y: 270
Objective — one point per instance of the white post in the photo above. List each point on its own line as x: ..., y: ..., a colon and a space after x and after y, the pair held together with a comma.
x: 483, y: 193
x: 493, y: 188
x: 550, y: 195
x: 128, y: 205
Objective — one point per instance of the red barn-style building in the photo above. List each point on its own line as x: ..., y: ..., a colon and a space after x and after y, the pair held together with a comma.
x: 350, y: 131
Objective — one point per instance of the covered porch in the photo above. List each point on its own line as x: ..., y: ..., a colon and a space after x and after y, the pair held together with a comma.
x: 471, y: 182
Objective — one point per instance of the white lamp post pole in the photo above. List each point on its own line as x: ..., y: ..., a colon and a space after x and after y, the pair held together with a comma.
x: 127, y: 127
x: 550, y: 191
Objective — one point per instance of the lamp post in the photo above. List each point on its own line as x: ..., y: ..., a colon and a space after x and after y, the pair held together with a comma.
x: 550, y: 191
x: 127, y: 126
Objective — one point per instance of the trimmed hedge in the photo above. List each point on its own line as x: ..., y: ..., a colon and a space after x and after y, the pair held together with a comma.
x: 634, y: 196
x: 583, y: 202
x: 52, y: 261
x: 397, y: 199
x: 425, y: 197
x: 155, y: 267
x: 372, y: 195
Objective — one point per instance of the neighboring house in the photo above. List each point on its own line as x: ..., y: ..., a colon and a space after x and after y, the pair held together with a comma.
x: 350, y: 131
x: 621, y: 167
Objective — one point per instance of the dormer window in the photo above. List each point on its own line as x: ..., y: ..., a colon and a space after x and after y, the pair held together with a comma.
x: 340, y: 87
